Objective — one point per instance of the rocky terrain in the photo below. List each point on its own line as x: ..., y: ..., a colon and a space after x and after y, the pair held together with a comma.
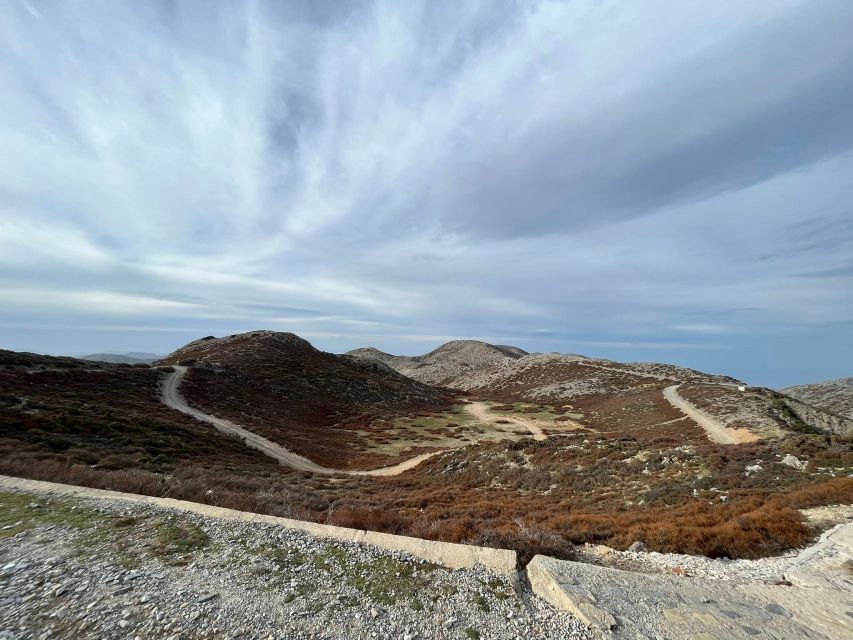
x: 446, y: 364
x: 601, y: 390
x: 835, y: 396
x: 100, y: 569
x: 548, y: 453
x: 81, y: 563
x: 308, y: 400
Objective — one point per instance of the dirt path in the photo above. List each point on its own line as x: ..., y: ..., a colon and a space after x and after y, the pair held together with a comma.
x: 482, y: 411
x: 172, y: 398
x: 717, y: 432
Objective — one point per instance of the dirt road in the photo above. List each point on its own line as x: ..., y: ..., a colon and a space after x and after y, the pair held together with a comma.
x: 716, y: 431
x: 171, y: 396
x: 483, y: 412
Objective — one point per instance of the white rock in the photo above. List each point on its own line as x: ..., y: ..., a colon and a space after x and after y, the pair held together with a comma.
x: 795, y: 462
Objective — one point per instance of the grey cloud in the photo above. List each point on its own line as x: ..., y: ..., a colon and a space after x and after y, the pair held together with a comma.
x: 725, y: 119
x: 378, y: 172
x: 837, y: 272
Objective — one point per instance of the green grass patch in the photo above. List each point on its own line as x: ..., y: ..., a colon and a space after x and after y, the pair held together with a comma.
x: 125, y: 540
x: 384, y: 580
x: 21, y: 512
x: 174, y: 540
x: 482, y: 603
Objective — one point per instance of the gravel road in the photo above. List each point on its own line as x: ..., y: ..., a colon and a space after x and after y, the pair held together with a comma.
x: 717, y: 432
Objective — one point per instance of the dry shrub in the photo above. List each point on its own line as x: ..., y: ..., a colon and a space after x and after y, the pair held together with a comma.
x: 834, y: 491
x: 527, y: 542
x: 369, y: 519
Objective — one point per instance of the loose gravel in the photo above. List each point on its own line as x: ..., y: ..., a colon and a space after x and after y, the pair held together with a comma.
x: 97, y: 569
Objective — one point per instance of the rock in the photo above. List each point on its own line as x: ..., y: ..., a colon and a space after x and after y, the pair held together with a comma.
x: 207, y: 598
x: 638, y: 547
x: 795, y: 462
x: 448, y: 624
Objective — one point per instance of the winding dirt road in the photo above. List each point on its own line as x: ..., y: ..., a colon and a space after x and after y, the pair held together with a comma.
x: 716, y: 431
x: 171, y: 396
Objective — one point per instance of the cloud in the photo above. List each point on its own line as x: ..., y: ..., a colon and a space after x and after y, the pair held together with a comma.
x: 376, y: 171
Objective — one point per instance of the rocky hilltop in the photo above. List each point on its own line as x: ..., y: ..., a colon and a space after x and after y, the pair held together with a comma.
x: 446, y: 364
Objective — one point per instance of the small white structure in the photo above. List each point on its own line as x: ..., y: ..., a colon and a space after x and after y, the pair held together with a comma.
x: 741, y: 387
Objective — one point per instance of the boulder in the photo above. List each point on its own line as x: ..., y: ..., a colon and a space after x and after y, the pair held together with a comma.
x: 795, y: 462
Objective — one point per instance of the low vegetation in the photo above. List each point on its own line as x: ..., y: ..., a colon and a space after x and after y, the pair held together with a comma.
x: 636, y: 471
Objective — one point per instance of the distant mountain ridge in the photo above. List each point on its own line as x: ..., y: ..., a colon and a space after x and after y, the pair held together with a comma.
x: 128, y: 357
x: 607, y: 393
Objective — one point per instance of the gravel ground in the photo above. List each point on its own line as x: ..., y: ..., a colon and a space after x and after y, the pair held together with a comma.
x: 72, y: 568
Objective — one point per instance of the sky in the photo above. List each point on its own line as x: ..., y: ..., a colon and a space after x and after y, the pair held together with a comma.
x: 668, y: 181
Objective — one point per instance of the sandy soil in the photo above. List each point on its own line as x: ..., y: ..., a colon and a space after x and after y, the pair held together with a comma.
x: 483, y: 412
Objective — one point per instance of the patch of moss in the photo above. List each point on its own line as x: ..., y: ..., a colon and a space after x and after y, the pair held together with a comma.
x: 482, y: 603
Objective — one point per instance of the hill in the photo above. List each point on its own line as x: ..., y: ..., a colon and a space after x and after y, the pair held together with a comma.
x: 447, y: 363
x: 614, y: 463
x: 310, y: 401
x: 835, y: 396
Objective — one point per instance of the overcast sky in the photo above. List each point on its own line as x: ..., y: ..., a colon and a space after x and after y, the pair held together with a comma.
x: 667, y: 181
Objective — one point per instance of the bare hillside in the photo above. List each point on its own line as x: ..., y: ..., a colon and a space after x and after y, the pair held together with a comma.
x: 835, y: 396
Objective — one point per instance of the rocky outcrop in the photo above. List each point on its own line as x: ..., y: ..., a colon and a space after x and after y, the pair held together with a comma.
x: 820, y: 419
x: 834, y: 396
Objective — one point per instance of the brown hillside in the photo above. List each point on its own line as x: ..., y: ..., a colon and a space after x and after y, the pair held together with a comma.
x: 312, y: 402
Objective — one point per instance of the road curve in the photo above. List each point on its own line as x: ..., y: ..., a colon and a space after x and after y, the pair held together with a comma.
x: 171, y: 396
x: 482, y: 411
x: 716, y: 431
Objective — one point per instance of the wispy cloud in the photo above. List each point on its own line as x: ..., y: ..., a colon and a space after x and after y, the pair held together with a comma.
x: 394, y: 172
